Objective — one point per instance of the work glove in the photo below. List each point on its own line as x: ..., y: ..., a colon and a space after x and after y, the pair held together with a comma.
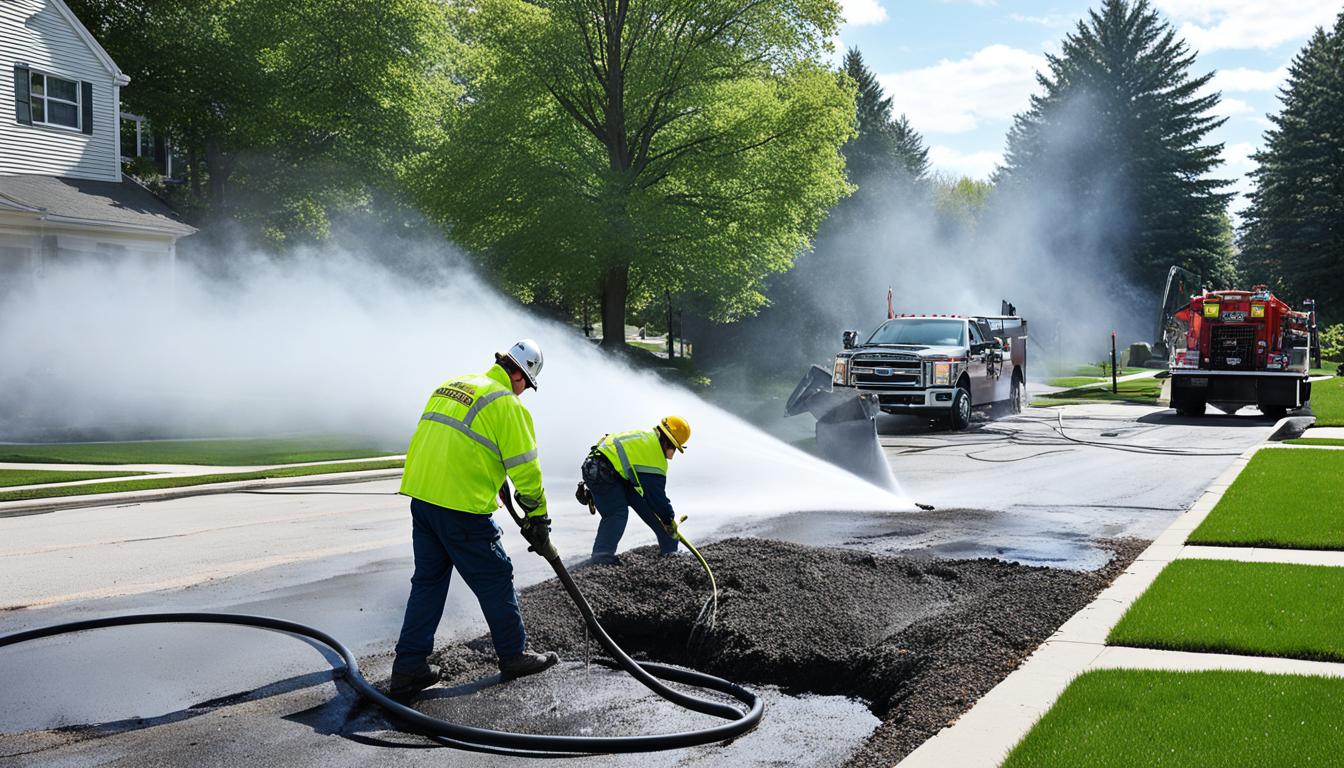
x: 584, y: 496
x: 537, y: 531
x: 670, y: 525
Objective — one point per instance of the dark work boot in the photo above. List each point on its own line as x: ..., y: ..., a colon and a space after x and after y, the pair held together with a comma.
x: 526, y: 663
x: 404, y: 687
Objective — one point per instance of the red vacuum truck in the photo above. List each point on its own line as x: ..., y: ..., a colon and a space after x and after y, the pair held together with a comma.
x: 1231, y: 349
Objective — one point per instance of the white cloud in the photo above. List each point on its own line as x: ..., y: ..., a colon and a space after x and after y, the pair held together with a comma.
x: 977, y: 165
x: 1210, y: 25
x: 1231, y: 108
x: 1243, y: 80
x: 1052, y: 20
x: 992, y: 84
x: 863, y: 12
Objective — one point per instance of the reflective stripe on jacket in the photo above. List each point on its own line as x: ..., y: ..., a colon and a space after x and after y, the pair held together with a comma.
x: 474, y: 431
x: 639, y: 453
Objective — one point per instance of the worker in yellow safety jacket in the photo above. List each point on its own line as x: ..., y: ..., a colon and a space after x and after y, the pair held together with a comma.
x: 628, y: 470
x: 472, y: 433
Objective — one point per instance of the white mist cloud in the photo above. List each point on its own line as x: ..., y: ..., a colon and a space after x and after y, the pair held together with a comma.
x: 956, y: 96
x: 326, y: 342
x: 863, y: 12
x: 1210, y: 25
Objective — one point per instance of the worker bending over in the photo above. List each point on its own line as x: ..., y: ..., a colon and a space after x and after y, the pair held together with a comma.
x: 473, y: 431
x: 629, y: 470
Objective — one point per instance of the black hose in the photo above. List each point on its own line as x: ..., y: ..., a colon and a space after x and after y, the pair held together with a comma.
x: 453, y: 734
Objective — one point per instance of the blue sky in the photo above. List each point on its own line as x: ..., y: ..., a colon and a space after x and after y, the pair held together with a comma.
x: 960, y: 69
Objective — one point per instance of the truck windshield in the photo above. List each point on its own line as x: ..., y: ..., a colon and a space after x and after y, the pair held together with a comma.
x: 927, y: 333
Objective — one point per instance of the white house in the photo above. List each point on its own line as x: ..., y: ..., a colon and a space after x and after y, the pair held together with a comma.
x: 62, y: 192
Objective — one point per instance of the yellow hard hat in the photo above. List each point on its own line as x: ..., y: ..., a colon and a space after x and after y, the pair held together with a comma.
x: 676, y: 430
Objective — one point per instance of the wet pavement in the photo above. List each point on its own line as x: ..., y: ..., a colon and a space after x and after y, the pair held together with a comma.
x: 337, y: 558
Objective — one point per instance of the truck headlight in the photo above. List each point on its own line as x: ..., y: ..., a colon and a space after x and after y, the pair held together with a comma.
x: 942, y: 374
x: 840, y: 374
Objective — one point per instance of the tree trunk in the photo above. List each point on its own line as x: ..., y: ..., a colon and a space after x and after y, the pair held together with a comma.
x: 615, y: 289
x: 217, y: 166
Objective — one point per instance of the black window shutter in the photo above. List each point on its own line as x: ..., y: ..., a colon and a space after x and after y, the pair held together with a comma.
x: 23, y: 107
x: 88, y: 107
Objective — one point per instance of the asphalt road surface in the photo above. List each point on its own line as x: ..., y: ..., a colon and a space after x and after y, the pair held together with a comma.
x: 1032, y: 488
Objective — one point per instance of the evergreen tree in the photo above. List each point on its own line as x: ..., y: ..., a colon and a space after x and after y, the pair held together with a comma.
x: 885, y: 146
x: 1115, y: 148
x: 1294, y: 231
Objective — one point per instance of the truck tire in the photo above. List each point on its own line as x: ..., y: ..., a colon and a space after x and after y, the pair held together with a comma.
x: 1017, y: 396
x: 1191, y: 407
x: 1274, y: 412
x: 959, y: 417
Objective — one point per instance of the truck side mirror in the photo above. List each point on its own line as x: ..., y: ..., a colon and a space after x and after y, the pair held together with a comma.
x: 849, y: 339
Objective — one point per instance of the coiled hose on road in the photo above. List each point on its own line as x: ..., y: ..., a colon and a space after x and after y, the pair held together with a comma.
x: 739, y: 721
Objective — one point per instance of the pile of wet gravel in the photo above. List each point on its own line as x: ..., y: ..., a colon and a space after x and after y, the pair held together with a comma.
x: 918, y: 640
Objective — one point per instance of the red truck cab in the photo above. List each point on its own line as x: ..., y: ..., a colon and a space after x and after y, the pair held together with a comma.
x: 1240, y: 348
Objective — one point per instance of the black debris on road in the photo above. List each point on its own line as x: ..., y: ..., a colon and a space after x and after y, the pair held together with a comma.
x: 919, y: 641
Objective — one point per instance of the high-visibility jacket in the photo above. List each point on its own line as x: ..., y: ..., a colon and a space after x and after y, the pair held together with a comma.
x: 638, y: 456
x: 474, y: 431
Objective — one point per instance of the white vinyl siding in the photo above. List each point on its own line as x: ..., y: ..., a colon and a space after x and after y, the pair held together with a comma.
x: 35, y: 33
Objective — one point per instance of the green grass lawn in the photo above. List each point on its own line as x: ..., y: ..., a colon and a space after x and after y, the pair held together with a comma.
x: 1094, y: 372
x: 240, y: 452
x: 1134, y: 391
x: 1126, y: 718
x: 1327, y: 402
x: 146, y: 484
x: 1315, y: 441
x: 12, y: 477
x: 1284, y: 498
x: 1257, y: 609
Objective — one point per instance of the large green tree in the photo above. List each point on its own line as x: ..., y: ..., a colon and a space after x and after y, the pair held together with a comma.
x: 631, y: 148
x: 286, y: 107
x: 841, y: 282
x: 1294, y: 227
x: 1116, y: 147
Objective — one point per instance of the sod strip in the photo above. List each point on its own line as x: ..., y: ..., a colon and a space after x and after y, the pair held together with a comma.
x: 223, y: 452
x: 1327, y: 402
x: 150, y: 484
x: 1144, y: 390
x: 1119, y: 718
x: 12, y: 477
x: 1255, y: 609
x: 1283, y: 499
x: 1315, y: 441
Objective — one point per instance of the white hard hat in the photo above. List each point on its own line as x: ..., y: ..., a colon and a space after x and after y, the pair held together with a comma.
x: 526, y: 354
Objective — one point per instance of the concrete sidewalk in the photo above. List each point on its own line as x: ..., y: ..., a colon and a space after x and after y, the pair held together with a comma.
x: 985, y: 735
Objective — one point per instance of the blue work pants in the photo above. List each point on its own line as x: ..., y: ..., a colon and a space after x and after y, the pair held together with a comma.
x: 444, y: 539
x: 614, y: 502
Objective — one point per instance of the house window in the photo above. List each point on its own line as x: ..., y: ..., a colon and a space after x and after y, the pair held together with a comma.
x: 55, y: 101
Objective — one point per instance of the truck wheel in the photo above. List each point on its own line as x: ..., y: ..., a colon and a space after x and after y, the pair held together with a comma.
x: 1191, y: 407
x: 1274, y: 412
x: 1017, y: 396
x: 959, y: 418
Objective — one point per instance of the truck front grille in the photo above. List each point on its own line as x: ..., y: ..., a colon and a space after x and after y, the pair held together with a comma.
x: 887, y: 371
x: 1232, y: 347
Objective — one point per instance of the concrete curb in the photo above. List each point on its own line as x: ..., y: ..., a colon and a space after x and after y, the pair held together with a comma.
x: 41, y: 506
x: 998, y: 721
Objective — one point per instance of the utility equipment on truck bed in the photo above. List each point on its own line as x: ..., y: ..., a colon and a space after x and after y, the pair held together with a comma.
x: 939, y: 366
x: 1237, y: 348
